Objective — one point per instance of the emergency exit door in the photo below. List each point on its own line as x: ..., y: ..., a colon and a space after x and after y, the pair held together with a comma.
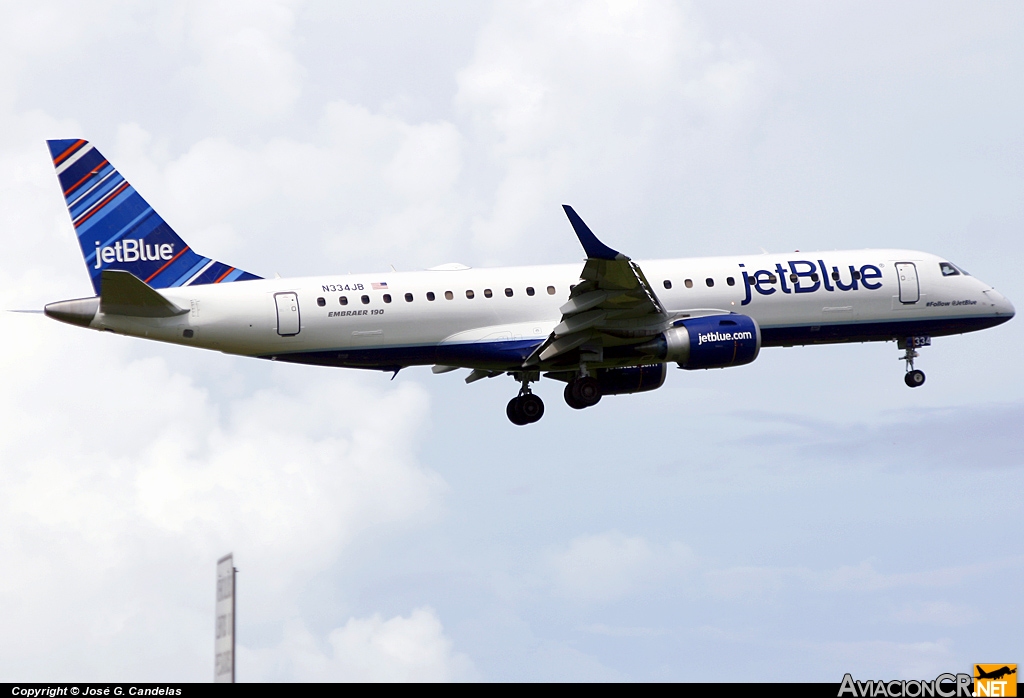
x: 910, y: 289
x: 287, y: 314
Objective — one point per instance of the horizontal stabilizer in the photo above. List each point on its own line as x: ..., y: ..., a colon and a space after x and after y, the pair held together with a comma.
x: 123, y: 293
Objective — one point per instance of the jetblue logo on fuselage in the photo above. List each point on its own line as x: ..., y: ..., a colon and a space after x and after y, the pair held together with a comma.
x: 803, y: 277
x: 130, y: 250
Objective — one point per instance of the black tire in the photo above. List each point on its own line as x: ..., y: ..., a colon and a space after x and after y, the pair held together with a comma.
x: 513, y: 413
x: 587, y: 391
x: 914, y: 379
x: 530, y: 408
x: 570, y: 398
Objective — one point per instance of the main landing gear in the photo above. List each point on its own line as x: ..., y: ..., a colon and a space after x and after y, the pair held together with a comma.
x: 914, y: 377
x: 525, y: 408
x: 582, y: 392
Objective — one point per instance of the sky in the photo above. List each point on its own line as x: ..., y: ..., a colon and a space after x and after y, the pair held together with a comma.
x: 795, y: 519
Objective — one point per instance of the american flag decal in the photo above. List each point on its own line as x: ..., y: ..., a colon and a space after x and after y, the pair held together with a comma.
x: 380, y: 286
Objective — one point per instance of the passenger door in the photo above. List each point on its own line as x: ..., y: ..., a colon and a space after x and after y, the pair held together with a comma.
x: 287, y: 314
x: 910, y: 289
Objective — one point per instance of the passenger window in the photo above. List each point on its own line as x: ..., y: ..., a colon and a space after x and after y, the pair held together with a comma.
x: 668, y: 284
x: 430, y: 295
x: 814, y: 277
x: 948, y: 269
x: 709, y: 281
x: 365, y: 300
x: 321, y: 302
x: 469, y: 294
x: 343, y: 300
x: 835, y: 276
x: 688, y: 283
x: 408, y: 298
x: 448, y: 295
x: 856, y: 275
x: 508, y: 292
x: 387, y: 297
x: 487, y: 293
x: 529, y: 290
x: 551, y: 290
x: 731, y: 281
x: 794, y: 278
x: 772, y: 279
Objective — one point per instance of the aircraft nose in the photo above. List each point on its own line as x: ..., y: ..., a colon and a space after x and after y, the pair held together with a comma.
x: 1007, y: 308
x: 1002, y: 304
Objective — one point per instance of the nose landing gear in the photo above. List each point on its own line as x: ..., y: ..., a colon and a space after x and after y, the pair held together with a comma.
x: 525, y: 408
x: 914, y: 378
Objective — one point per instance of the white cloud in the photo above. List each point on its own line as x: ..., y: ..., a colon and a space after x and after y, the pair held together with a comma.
x: 568, y: 96
x: 883, y: 659
x: 412, y: 648
x: 121, y: 481
x: 747, y: 581
x: 245, y: 65
x: 610, y: 565
x: 938, y: 613
x: 621, y: 631
x: 364, y: 184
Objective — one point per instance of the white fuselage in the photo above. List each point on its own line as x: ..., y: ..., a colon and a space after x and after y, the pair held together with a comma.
x: 352, y: 320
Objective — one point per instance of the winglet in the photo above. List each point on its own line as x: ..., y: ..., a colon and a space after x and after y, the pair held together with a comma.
x: 594, y: 248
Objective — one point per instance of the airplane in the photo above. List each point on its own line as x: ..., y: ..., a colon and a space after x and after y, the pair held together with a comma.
x: 994, y: 674
x: 609, y: 327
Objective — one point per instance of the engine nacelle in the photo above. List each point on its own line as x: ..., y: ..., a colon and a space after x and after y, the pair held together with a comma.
x: 632, y: 379
x: 712, y: 341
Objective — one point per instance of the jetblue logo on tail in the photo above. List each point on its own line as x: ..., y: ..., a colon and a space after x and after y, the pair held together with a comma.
x: 124, y: 231
x: 130, y: 250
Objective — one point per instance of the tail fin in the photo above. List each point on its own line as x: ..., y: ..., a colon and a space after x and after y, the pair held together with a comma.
x: 118, y: 230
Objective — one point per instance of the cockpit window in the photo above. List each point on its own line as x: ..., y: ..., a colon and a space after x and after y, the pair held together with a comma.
x: 948, y: 269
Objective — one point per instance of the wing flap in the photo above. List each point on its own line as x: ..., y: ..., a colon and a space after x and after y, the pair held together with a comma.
x: 580, y: 322
x: 561, y: 345
x: 612, y: 304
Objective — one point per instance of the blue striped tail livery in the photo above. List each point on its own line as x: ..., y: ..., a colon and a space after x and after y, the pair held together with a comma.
x: 118, y: 230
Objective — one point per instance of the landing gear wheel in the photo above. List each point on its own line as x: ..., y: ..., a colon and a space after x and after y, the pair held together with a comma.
x: 910, y: 345
x: 525, y: 409
x: 570, y: 398
x: 513, y: 413
x: 586, y: 391
x: 914, y: 378
x: 530, y: 407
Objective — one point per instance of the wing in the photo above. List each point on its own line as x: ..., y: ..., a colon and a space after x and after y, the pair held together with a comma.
x: 613, y: 305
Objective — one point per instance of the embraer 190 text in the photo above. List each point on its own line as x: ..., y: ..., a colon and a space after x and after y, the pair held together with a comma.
x: 608, y: 328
